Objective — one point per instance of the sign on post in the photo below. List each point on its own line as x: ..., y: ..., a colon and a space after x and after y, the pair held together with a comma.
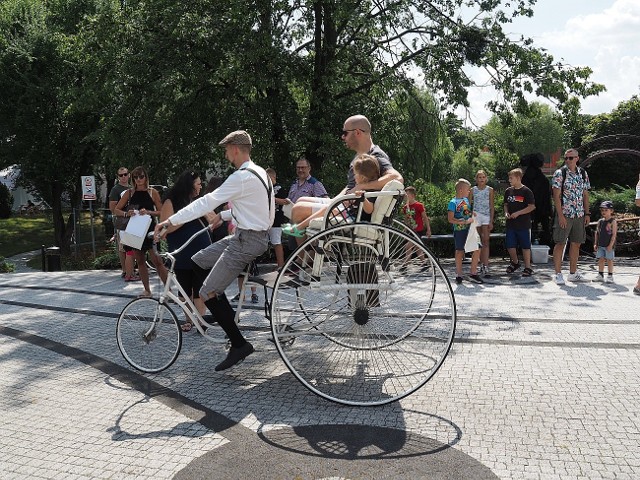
x: 88, y: 183
x: 88, y: 187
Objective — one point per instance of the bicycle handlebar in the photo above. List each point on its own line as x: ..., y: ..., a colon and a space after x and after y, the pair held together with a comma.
x: 171, y: 255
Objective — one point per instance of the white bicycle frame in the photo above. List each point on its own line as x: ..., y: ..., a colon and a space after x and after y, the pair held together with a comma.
x: 183, y: 300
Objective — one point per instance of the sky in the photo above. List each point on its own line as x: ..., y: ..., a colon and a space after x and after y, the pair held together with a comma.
x: 601, y: 34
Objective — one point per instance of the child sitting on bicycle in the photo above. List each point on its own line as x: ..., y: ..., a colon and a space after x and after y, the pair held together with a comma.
x: 366, y: 169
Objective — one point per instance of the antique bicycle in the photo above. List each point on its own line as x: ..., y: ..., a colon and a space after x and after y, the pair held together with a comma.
x: 354, y: 318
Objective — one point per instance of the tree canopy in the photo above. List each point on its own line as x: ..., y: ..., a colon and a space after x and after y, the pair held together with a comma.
x: 93, y: 84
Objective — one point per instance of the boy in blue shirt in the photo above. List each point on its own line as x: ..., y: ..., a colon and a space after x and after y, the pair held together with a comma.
x: 460, y: 216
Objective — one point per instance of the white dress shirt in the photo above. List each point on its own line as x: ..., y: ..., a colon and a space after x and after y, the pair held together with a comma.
x: 251, y: 208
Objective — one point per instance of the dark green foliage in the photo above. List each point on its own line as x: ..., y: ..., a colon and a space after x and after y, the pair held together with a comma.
x: 6, y: 201
x: 107, y: 261
x: 90, y: 85
x: 622, y: 126
x: 6, y: 267
x: 623, y: 200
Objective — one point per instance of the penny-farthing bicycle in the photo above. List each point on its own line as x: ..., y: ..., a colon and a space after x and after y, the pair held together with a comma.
x: 354, y: 318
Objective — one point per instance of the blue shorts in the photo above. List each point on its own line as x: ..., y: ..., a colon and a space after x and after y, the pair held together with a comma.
x: 518, y: 236
x: 460, y: 237
x: 603, y: 253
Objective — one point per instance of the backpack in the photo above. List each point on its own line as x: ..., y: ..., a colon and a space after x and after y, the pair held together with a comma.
x: 564, y: 170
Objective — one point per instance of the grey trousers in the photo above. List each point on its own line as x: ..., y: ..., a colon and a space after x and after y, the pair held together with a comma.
x: 227, y: 258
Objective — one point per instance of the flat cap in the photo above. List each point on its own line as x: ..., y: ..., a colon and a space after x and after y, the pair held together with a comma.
x: 239, y: 137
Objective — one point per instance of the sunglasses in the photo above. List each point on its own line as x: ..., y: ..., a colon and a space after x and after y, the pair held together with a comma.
x: 123, y: 174
x: 570, y: 158
x: 346, y: 132
x: 142, y: 176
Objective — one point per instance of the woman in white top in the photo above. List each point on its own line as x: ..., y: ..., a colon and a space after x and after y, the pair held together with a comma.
x: 481, y: 198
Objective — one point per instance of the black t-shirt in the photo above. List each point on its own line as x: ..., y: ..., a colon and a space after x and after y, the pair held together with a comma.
x: 116, y: 192
x: 517, y: 199
x: 280, y: 217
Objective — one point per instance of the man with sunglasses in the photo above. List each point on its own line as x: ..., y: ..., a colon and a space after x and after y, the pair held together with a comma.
x: 126, y: 261
x: 356, y: 135
x: 570, y: 186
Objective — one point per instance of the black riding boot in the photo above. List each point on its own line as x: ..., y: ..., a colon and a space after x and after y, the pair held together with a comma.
x: 224, y: 315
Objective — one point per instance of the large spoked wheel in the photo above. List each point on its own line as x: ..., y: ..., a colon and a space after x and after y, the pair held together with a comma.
x: 371, y: 310
x: 148, y: 335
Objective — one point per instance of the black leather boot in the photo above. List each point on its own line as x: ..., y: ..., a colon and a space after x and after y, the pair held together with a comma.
x: 224, y: 315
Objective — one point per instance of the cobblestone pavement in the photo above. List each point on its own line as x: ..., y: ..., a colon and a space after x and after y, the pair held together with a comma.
x: 542, y: 382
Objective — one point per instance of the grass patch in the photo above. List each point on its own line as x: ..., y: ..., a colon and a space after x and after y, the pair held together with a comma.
x: 25, y: 234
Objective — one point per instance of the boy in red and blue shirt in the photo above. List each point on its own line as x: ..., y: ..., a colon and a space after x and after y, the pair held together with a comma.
x: 518, y: 204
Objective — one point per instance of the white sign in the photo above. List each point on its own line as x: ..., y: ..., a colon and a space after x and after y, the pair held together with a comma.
x: 88, y: 184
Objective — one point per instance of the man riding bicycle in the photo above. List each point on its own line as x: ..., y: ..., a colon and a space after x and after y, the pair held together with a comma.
x: 218, y: 265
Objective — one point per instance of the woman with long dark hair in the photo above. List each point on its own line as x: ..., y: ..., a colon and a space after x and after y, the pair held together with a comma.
x: 186, y: 189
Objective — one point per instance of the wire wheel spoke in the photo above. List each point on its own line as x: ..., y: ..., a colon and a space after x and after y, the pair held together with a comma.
x: 371, y: 311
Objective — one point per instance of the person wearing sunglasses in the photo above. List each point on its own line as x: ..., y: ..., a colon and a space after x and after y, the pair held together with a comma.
x: 143, y: 200
x: 356, y: 135
x: 570, y: 186
x: 126, y: 261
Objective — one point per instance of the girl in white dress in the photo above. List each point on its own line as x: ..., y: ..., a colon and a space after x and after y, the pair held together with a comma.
x: 481, y: 198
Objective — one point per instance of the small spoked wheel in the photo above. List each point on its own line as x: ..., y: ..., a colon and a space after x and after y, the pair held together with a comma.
x: 371, y: 311
x: 148, y: 334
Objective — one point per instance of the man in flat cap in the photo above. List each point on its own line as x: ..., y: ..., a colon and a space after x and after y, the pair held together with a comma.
x: 218, y: 265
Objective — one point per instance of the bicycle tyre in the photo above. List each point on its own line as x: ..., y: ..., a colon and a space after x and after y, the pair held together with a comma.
x: 148, y: 335
x: 371, y: 325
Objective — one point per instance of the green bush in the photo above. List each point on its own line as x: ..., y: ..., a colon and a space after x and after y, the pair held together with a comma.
x: 623, y: 200
x: 6, y: 201
x: 108, y: 261
x: 6, y: 267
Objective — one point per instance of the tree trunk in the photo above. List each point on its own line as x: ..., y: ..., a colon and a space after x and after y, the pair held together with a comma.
x: 321, y: 110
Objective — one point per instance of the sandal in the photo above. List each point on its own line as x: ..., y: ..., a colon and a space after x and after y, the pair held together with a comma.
x: 293, y: 231
x: 145, y: 294
x: 527, y: 272
x: 513, y: 267
x: 186, y: 326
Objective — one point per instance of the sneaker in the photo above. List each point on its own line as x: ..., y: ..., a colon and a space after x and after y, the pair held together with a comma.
x: 476, y: 278
x: 577, y: 277
x: 608, y: 279
x: 599, y: 278
x: 458, y: 280
x: 236, y: 298
x: 636, y: 290
x: 235, y: 355
x: 482, y: 270
x: 487, y: 274
x: 559, y: 279
x: 254, y: 298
